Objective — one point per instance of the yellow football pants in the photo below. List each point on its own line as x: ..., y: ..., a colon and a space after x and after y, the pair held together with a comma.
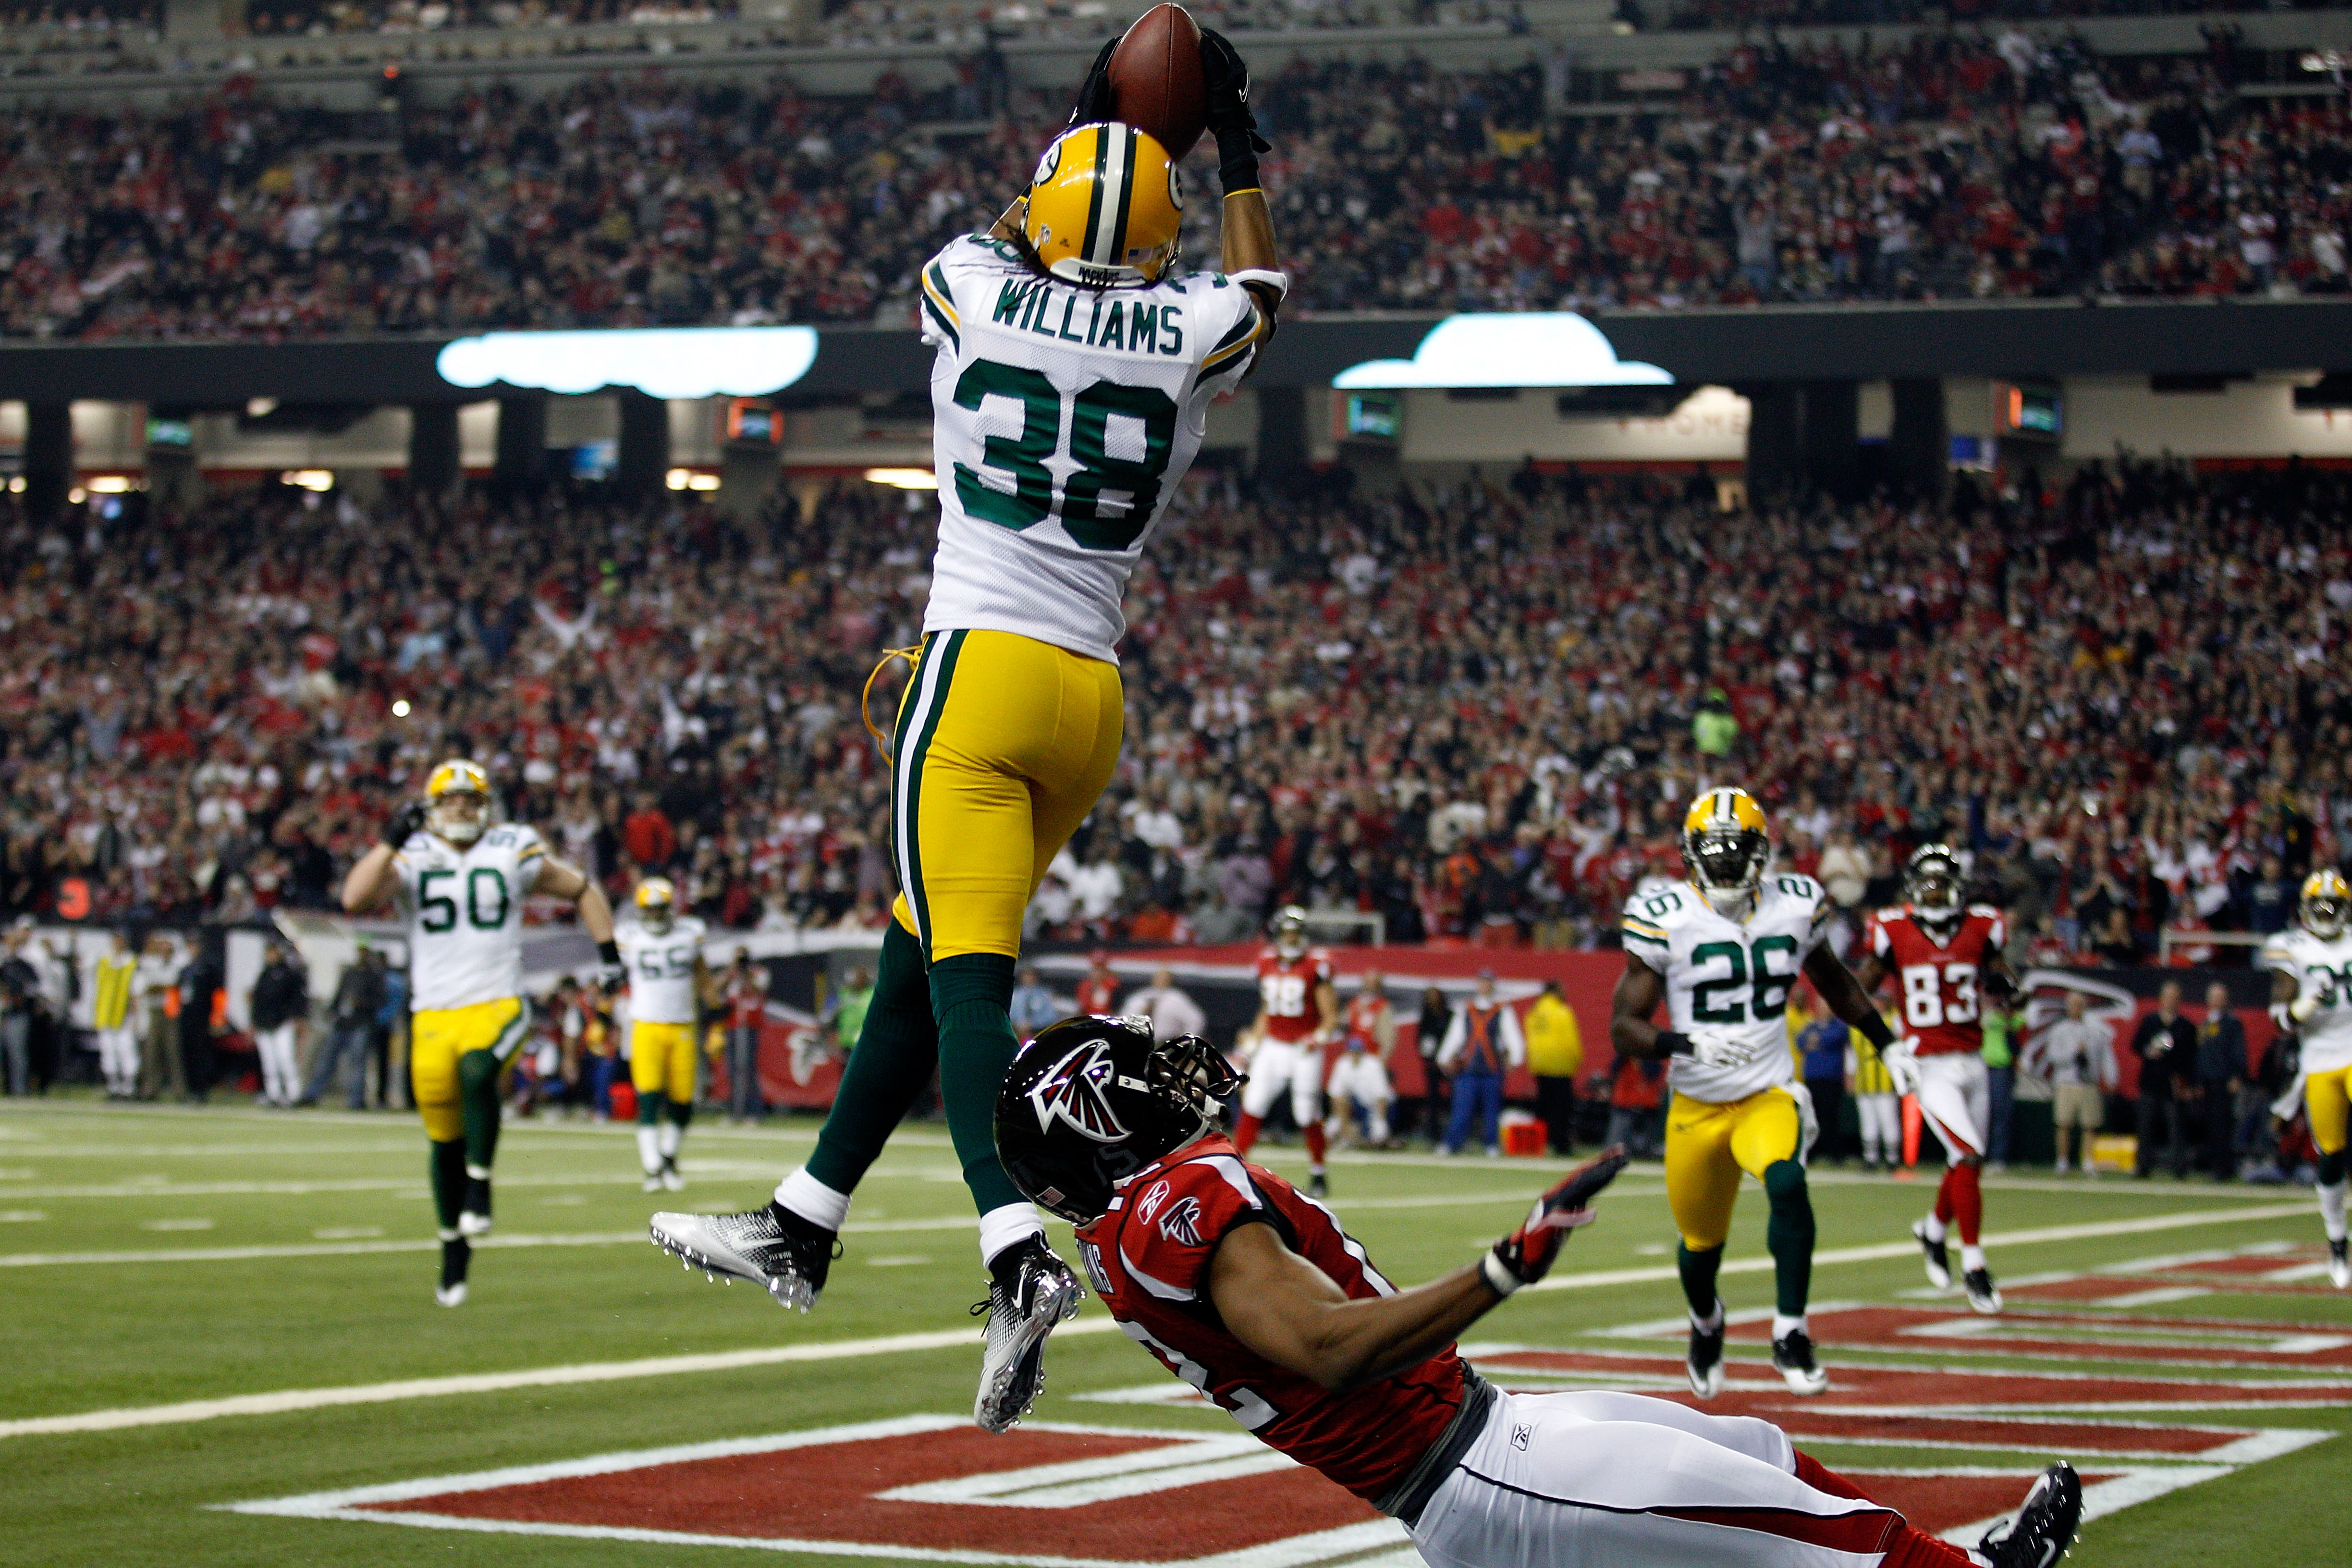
x: 1004, y: 744
x: 661, y: 1060
x: 437, y: 1038
x: 2327, y: 1098
x: 1707, y: 1145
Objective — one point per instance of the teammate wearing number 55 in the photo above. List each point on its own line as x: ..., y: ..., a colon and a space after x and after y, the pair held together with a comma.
x: 1946, y: 955
x: 668, y: 987
x: 1722, y: 950
x: 1075, y: 365
x: 461, y: 883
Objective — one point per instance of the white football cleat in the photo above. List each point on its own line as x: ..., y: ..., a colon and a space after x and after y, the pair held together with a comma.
x: 1704, y: 1362
x: 2339, y: 1264
x: 652, y: 1183
x: 450, y: 1295
x: 1034, y: 1293
x: 1793, y: 1358
x: 1933, y: 1254
x: 772, y: 1247
x: 671, y: 1178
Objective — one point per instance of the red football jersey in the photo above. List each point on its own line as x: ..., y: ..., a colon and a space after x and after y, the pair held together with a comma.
x: 1941, y: 1008
x: 1099, y: 995
x: 1148, y: 1258
x: 1363, y: 1021
x: 1286, y: 988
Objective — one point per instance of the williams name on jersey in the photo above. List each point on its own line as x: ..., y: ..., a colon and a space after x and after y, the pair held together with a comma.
x: 1730, y: 978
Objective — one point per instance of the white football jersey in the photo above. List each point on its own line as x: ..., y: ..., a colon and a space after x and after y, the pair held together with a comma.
x: 2322, y: 969
x: 1063, y: 419
x: 1727, y: 977
x: 661, y: 970
x: 465, y: 914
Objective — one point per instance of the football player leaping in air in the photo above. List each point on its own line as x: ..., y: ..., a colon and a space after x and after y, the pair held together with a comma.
x: 1722, y: 950
x: 1946, y: 957
x: 461, y: 884
x: 1250, y: 1292
x: 2311, y: 994
x: 668, y: 986
x: 1076, y: 367
x: 1297, y: 1008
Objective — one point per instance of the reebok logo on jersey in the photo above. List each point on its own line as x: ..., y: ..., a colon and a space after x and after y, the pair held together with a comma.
x: 1150, y: 1203
x: 1182, y: 1223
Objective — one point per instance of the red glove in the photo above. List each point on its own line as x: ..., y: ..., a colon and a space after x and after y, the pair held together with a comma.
x: 1525, y: 1254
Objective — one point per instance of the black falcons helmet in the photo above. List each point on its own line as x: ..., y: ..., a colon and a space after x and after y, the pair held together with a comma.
x: 1090, y: 1102
x: 1933, y: 883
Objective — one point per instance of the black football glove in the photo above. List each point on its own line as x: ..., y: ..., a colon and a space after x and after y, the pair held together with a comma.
x: 404, y: 823
x: 611, y: 973
x: 1525, y: 1254
x: 1094, y: 105
x: 1235, y: 128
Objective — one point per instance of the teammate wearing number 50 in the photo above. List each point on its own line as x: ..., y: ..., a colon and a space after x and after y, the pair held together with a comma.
x: 1722, y: 951
x: 461, y: 883
x: 1946, y: 955
x: 1075, y: 365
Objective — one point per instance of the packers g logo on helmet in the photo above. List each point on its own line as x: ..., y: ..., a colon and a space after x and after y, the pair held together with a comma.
x: 657, y: 902
x: 1106, y: 207
x: 2327, y: 900
x: 1726, y: 842
x: 459, y: 801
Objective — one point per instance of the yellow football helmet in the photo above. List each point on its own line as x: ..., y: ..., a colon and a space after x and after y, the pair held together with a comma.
x: 1106, y: 207
x: 2326, y: 899
x: 657, y: 904
x: 1726, y: 842
x: 457, y: 800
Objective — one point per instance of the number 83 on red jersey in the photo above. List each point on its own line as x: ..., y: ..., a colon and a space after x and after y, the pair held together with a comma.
x: 1942, y: 1004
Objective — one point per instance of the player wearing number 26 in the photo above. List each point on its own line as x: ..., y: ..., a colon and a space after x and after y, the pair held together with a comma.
x: 1722, y: 951
x: 460, y: 882
x: 1075, y: 365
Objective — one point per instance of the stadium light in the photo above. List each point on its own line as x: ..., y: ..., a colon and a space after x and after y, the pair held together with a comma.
x: 662, y: 361
x: 318, y: 480
x: 112, y: 484
x: 1536, y: 348
x: 400, y: 708
x: 903, y: 478
x: 688, y: 480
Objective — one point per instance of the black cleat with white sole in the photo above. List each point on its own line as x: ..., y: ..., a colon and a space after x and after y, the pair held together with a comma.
x: 1793, y: 1358
x: 1031, y: 1292
x: 2339, y: 1264
x: 1705, y: 1362
x: 772, y: 1247
x: 2046, y: 1524
x: 1984, y: 1296
x: 457, y: 1252
x: 1939, y: 1260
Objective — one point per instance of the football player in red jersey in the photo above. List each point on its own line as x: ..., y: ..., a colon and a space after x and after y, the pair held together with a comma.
x: 1946, y: 955
x: 1248, y: 1291
x: 1297, y: 1008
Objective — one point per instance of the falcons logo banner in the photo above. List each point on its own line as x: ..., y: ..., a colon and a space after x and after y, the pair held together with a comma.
x: 1072, y: 1092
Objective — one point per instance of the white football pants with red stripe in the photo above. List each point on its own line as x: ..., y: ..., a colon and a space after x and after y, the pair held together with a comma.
x: 1955, y: 1100
x: 1278, y: 1064
x: 1613, y: 1481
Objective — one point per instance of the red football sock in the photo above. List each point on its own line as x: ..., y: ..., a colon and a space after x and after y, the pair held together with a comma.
x: 1821, y: 1479
x: 1944, y: 1197
x: 1245, y: 1128
x: 1968, y: 1202
x: 1313, y: 1131
x: 1916, y: 1549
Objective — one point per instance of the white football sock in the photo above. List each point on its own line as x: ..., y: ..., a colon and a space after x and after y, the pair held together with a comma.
x: 1934, y: 1229
x: 649, y: 1149
x: 1381, y: 1123
x: 1783, y: 1327
x: 477, y: 1173
x: 2331, y: 1211
x: 1971, y: 1256
x: 1008, y: 1226
x: 812, y: 1200
x: 672, y: 1135
x: 1711, y: 1322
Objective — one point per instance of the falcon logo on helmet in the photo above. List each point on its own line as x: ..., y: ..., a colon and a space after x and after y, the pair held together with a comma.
x: 1726, y: 845
x: 656, y: 904
x: 457, y: 800
x: 1106, y: 207
x: 2327, y: 901
x: 1072, y: 1092
x: 1933, y: 884
x: 1289, y: 930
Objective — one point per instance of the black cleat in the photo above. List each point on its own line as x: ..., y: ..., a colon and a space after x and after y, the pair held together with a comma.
x: 474, y: 1218
x: 1793, y: 1358
x: 2339, y: 1264
x: 1704, y: 1362
x: 1031, y: 1292
x: 772, y: 1247
x: 1983, y: 1295
x: 1939, y: 1261
x: 455, y: 1254
x: 1316, y: 1187
x: 2046, y: 1524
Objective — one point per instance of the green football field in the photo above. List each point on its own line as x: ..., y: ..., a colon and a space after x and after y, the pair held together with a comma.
x: 223, y: 1306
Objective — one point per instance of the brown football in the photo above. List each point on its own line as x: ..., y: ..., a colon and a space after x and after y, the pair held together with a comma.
x: 1155, y: 79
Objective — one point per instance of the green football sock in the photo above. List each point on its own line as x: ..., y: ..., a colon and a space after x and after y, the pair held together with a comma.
x: 478, y: 1096
x: 971, y: 995
x: 448, y: 1168
x: 1698, y: 1271
x: 649, y: 1109
x: 681, y: 1112
x: 896, y: 1051
x: 1789, y: 1234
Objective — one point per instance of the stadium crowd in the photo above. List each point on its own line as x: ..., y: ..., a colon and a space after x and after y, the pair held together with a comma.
x: 1475, y: 709
x: 1956, y: 166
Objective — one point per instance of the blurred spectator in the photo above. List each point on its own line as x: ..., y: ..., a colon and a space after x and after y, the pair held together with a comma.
x: 2078, y: 1058
x: 156, y: 1006
x: 1359, y: 1085
x: 1636, y: 1096
x: 279, y: 1006
x: 1822, y: 1054
x: 360, y: 997
x: 743, y: 991
x: 1034, y: 1005
x: 844, y: 1013
x: 1713, y: 728
x: 1099, y: 988
x: 2004, y: 1026
x: 2166, y: 1043
x: 20, y: 1000
x: 1172, y: 1010
x: 1555, y: 1049
x: 199, y: 985
x: 113, y: 1012
x: 1482, y: 1043
x: 1431, y: 1026
x: 1876, y: 1106
x: 2222, y: 1072
x: 2270, y: 898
